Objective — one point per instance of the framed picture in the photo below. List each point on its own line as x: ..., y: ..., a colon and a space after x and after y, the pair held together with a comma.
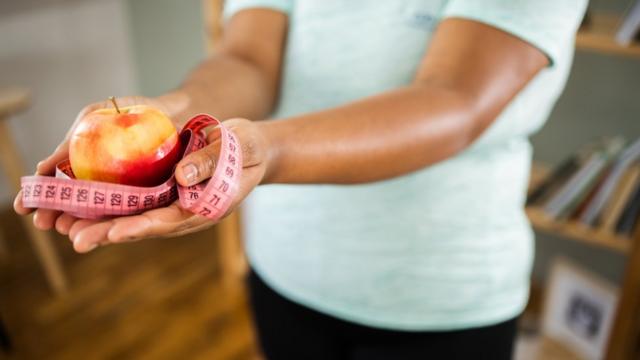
x: 579, y: 309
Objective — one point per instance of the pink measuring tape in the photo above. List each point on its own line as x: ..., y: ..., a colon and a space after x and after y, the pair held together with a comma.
x: 92, y: 199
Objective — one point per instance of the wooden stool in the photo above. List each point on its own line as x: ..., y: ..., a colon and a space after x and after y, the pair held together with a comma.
x: 11, y: 102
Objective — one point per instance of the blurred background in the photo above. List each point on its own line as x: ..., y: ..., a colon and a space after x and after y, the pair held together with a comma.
x: 183, y: 297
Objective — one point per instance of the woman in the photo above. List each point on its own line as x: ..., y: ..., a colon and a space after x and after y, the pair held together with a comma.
x: 391, y: 225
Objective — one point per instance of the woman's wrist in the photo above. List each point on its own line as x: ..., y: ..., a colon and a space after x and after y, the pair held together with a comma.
x: 175, y: 103
x: 273, y: 139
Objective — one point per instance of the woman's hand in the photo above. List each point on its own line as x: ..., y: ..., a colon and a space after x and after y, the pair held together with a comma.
x: 45, y: 219
x: 173, y: 220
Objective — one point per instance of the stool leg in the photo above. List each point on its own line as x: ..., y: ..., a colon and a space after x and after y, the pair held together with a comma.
x: 49, y: 260
x: 4, y: 252
x: 231, y: 258
x: 5, y: 341
x: 41, y: 241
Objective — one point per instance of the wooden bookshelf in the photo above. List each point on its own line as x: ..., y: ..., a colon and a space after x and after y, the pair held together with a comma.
x: 599, y: 36
x: 575, y: 231
x: 572, y: 230
x: 625, y: 333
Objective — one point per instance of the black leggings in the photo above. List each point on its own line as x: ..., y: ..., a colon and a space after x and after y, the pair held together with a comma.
x: 287, y: 330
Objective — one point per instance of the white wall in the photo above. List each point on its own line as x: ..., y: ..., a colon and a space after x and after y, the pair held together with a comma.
x: 69, y: 53
x: 168, y: 37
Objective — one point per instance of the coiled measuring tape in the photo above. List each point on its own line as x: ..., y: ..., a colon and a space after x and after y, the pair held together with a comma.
x: 93, y: 199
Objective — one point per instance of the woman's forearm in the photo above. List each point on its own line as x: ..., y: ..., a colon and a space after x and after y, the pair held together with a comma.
x: 373, y: 139
x: 223, y: 86
x: 243, y: 76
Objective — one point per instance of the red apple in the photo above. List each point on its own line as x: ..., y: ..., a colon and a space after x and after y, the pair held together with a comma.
x: 134, y: 145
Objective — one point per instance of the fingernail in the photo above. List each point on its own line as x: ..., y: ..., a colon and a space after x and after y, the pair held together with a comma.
x: 190, y: 172
x: 92, y: 246
x: 87, y: 249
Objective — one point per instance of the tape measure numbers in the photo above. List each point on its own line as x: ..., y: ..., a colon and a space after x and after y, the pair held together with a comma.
x: 92, y: 199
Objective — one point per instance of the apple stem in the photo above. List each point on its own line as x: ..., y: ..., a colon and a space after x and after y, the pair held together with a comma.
x: 115, y: 104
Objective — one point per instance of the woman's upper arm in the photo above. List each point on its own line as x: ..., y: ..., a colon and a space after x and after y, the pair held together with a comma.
x: 257, y: 36
x: 485, y: 65
x: 487, y: 51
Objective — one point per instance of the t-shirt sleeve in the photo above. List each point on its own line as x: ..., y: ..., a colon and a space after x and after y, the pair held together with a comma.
x: 549, y: 25
x: 231, y: 7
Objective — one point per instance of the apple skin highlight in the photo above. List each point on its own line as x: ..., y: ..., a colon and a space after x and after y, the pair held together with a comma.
x: 137, y: 146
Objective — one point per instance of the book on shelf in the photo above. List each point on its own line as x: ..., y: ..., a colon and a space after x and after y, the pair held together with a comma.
x: 552, y: 182
x: 576, y: 189
x: 630, y: 26
x: 583, y: 204
x: 559, y: 175
x: 619, y: 198
x: 629, y: 218
x: 628, y: 157
x: 599, y: 186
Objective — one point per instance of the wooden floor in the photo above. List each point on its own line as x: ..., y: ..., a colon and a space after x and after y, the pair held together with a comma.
x: 157, y: 299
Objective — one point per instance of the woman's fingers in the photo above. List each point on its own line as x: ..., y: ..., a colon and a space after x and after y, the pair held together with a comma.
x: 48, y: 165
x: 157, y: 222
x: 64, y: 223
x: 198, y: 166
x: 79, y: 225
x: 45, y: 219
x: 91, y: 235
x: 18, y: 207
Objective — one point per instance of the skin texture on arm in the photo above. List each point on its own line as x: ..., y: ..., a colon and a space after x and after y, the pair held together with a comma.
x: 469, y: 74
x: 242, y: 78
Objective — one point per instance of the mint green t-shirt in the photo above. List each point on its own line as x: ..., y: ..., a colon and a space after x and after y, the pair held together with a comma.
x: 445, y: 247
